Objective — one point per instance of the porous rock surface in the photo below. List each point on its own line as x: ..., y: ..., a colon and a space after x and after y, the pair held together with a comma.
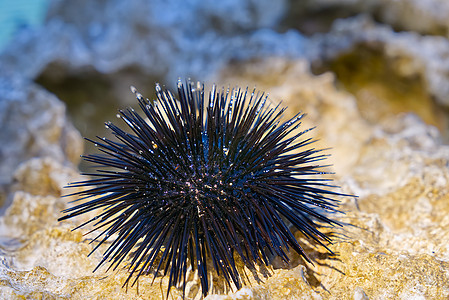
x: 108, y: 36
x: 395, y: 244
x: 412, y: 55
x: 78, y: 38
x: 33, y: 123
x: 423, y: 16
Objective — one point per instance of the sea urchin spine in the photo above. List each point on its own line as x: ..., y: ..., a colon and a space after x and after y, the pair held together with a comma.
x: 204, y: 179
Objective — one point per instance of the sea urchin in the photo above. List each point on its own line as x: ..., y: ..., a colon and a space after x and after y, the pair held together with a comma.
x: 200, y: 179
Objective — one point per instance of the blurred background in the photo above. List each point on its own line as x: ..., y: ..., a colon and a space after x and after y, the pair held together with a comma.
x: 389, y: 54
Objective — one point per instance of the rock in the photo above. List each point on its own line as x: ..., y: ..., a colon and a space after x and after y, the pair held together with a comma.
x: 28, y: 214
x: 399, y: 171
x: 338, y: 123
x: 43, y: 176
x: 395, y: 246
x: 430, y: 13
x: 89, y: 59
x: 412, y: 55
x: 426, y: 17
x: 395, y: 240
x: 36, y: 197
x: 34, y: 124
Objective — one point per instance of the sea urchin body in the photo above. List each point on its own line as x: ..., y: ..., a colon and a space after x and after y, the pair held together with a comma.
x: 214, y: 177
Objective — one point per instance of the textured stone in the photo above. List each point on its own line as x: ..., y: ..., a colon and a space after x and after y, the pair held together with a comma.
x: 334, y: 113
x: 398, y: 245
x: 413, y: 55
x: 34, y: 124
x: 161, y: 38
x: 43, y: 176
x: 423, y: 16
x: 395, y: 244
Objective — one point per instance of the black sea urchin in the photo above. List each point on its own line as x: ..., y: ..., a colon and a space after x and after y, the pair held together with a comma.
x: 203, y: 180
